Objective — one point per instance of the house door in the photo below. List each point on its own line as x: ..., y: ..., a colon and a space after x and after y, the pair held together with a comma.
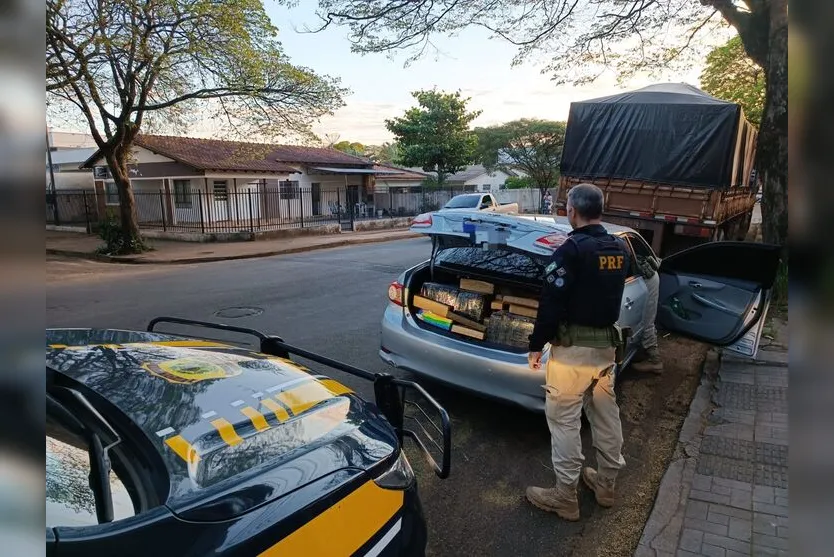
x: 315, y: 195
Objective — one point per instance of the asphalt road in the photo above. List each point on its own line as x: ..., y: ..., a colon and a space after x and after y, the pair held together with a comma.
x: 331, y: 301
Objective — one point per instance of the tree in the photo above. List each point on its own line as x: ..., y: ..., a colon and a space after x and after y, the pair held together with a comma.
x: 731, y: 75
x: 584, y: 38
x: 518, y: 183
x: 534, y: 146
x: 436, y: 136
x: 124, y: 63
x: 350, y: 147
x: 387, y: 153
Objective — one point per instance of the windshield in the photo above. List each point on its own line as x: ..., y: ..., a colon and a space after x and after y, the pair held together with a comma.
x: 463, y: 202
x: 494, y: 262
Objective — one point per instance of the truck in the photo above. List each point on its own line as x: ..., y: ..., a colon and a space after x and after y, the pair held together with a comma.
x: 674, y: 163
x: 479, y: 202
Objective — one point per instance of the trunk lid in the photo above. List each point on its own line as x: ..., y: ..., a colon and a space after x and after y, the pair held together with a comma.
x: 533, y: 235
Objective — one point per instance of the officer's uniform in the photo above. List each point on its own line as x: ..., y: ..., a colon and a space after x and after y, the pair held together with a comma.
x: 648, y: 268
x: 580, y: 303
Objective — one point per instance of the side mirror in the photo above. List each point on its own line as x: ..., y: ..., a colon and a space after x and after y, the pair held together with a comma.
x: 484, y: 205
x: 415, y: 414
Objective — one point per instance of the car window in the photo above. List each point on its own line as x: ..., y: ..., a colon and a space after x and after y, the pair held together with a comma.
x: 463, y: 202
x: 493, y: 262
x: 69, y: 498
x: 640, y: 249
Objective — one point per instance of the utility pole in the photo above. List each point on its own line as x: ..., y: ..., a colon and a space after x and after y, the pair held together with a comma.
x: 52, y: 178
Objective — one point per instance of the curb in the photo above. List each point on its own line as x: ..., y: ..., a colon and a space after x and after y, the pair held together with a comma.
x: 139, y: 260
x: 663, y: 528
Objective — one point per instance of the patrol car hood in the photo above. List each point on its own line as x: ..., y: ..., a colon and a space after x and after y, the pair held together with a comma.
x: 235, y: 429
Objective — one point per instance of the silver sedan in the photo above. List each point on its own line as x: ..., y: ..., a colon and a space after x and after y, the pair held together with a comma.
x: 717, y: 293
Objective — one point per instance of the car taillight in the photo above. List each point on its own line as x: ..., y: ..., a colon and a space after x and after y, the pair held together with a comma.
x: 551, y: 241
x: 422, y: 221
x: 395, y: 293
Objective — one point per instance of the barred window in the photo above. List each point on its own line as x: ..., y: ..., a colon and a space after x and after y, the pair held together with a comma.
x: 182, y: 193
x: 111, y: 193
x: 221, y: 190
x: 289, y: 189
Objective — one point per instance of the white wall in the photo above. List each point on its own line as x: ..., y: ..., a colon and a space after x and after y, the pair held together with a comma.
x: 71, y: 181
x: 529, y: 200
x: 494, y: 181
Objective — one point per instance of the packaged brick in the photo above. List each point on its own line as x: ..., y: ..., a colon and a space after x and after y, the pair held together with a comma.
x: 507, y: 329
x: 469, y: 304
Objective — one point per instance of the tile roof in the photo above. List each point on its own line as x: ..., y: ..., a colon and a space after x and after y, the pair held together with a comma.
x: 468, y: 173
x: 403, y: 174
x: 215, y: 154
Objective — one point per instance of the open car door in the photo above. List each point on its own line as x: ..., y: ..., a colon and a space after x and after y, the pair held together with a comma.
x: 719, y: 293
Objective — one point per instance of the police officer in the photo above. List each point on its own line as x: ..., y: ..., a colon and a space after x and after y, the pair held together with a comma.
x: 580, y: 303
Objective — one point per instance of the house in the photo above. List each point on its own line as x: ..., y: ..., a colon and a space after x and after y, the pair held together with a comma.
x: 396, y: 193
x: 59, y: 141
x: 66, y: 171
x: 476, y: 178
x: 179, y: 180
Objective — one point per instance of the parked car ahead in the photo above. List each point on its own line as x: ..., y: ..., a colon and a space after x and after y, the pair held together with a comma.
x: 717, y: 293
x: 479, y: 202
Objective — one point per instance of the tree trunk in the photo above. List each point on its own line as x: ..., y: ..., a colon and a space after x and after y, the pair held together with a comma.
x: 127, y: 203
x: 772, y: 149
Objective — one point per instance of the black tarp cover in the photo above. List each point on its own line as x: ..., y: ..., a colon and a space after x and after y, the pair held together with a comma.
x: 670, y: 133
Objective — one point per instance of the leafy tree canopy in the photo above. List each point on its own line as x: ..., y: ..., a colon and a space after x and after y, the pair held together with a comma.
x: 731, y: 75
x: 534, y: 146
x: 435, y: 135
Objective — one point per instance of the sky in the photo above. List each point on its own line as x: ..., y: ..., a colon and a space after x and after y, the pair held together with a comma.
x: 471, y: 62
x: 480, y: 67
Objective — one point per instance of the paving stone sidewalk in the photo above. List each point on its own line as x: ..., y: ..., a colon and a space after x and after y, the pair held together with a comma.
x: 726, y: 492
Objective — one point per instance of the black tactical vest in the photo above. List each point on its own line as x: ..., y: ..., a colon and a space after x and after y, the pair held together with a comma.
x: 601, y: 270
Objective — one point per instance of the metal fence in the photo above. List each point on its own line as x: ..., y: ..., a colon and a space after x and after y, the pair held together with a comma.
x: 280, y: 207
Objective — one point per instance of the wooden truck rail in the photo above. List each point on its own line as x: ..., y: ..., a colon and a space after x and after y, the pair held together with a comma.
x: 698, y: 212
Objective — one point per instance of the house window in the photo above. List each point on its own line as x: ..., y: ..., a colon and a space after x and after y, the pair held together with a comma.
x: 182, y: 193
x: 111, y: 193
x: 289, y: 190
x: 221, y: 190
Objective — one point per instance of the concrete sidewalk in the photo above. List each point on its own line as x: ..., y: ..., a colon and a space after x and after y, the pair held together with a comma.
x: 73, y: 244
x: 725, y: 492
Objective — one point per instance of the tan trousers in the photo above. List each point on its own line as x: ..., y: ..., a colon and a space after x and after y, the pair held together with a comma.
x: 578, y: 376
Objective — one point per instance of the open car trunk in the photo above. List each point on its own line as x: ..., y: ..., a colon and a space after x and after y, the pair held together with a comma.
x: 484, y: 297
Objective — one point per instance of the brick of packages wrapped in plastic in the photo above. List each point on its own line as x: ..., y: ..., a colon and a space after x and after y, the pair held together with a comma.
x: 469, y: 304
x: 509, y: 330
x: 441, y: 293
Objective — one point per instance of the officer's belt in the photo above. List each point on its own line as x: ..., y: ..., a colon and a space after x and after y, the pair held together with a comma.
x: 589, y: 337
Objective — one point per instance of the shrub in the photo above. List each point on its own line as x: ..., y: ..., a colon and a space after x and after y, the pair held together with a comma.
x: 518, y: 182
x: 115, y: 243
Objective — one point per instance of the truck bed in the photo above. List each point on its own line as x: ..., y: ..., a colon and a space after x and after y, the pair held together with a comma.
x: 667, y: 202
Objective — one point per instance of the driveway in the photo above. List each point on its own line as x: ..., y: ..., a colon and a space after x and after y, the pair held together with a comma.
x: 331, y: 301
